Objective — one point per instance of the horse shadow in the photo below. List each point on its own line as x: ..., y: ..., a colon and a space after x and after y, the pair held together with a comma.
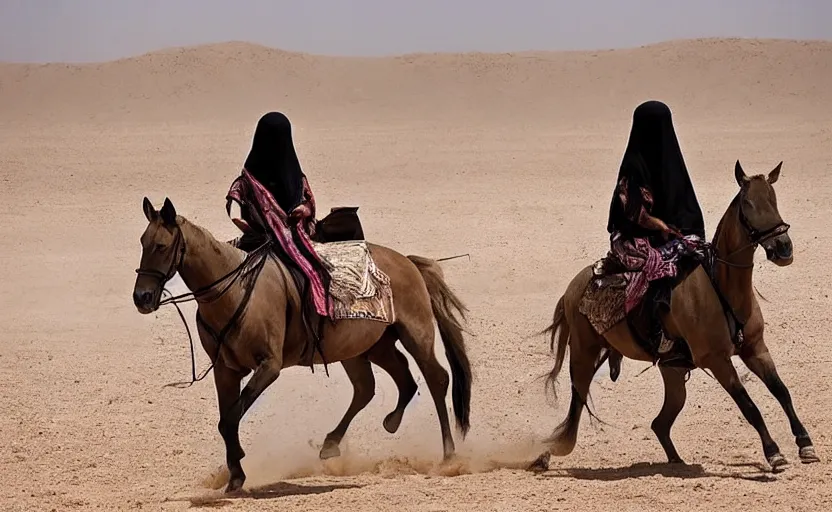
x: 267, y: 492
x: 754, y: 472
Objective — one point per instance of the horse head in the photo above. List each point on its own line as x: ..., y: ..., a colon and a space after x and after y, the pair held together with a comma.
x: 759, y: 216
x: 163, y: 248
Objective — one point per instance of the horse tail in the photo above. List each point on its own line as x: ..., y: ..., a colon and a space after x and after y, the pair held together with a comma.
x: 444, y: 304
x: 558, y: 333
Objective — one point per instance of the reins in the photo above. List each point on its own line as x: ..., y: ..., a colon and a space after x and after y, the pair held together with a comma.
x: 259, y: 256
x: 756, y: 237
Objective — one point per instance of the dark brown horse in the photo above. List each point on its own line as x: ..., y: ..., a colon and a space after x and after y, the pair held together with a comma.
x: 696, y: 316
x: 268, y: 334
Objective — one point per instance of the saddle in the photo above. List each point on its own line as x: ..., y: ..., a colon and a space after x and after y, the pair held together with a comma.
x: 340, y: 225
x: 657, y: 302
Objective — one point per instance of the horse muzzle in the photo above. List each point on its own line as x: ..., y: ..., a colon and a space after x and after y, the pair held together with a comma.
x: 146, y: 300
x: 779, y: 250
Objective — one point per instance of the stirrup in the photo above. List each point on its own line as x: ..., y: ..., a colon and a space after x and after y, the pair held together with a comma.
x: 665, y: 345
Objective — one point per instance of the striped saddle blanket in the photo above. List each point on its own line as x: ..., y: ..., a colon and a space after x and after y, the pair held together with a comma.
x: 359, y: 289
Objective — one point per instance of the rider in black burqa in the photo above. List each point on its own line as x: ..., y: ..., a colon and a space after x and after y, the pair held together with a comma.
x: 653, y: 160
x: 273, y: 161
x: 653, y: 167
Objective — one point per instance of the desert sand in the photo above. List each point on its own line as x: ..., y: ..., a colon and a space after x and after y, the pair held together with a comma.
x: 509, y: 158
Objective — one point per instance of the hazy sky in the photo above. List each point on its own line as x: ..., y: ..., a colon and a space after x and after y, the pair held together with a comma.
x: 93, y: 30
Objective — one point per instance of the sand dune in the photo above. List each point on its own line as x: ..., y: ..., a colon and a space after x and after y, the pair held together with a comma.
x: 509, y: 158
x: 721, y: 78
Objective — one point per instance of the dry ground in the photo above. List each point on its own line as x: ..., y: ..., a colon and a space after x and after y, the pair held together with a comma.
x: 510, y: 158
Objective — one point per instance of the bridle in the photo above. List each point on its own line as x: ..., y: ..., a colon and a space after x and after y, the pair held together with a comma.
x: 756, y: 237
x: 176, y: 262
x: 249, y: 268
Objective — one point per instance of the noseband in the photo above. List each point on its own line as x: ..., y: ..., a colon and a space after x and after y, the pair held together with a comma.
x: 757, y: 237
x: 179, y: 257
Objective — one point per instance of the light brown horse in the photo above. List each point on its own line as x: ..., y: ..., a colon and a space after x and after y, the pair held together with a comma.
x: 268, y: 334
x: 386, y: 356
x: 696, y: 316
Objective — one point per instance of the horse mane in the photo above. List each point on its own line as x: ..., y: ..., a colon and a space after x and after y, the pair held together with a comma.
x: 199, y: 235
x: 721, y: 225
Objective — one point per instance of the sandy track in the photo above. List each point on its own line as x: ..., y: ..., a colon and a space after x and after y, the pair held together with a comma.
x: 516, y: 175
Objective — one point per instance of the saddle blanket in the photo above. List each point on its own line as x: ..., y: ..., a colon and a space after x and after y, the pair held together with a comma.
x: 359, y: 289
x: 604, y: 298
x: 620, y: 280
x: 604, y: 302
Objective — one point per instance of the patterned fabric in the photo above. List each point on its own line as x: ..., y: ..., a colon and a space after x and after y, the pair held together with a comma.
x: 603, y: 300
x: 621, y: 280
x: 359, y: 289
x: 291, y: 231
x: 642, y: 263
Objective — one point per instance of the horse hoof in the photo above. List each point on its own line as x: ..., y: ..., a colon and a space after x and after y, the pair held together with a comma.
x: 778, y: 463
x: 329, y: 450
x: 234, y: 485
x: 540, y: 464
x: 392, y: 422
x: 449, y: 452
x: 808, y: 455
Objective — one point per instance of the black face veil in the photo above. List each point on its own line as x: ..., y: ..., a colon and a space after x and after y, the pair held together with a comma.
x: 653, y: 159
x: 273, y: 161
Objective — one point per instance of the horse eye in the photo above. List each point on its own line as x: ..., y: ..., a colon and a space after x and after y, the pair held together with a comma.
x: 161, y: 247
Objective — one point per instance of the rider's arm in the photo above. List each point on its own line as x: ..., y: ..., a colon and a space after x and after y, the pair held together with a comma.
x: 305, y: 211
x: 637, y: 202
x: 650, y: 222
x: 234, y: 210
x: 233, y: 206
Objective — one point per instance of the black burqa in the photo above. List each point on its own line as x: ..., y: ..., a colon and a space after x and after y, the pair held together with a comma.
x: 653, y: 159
x: 273, y: 161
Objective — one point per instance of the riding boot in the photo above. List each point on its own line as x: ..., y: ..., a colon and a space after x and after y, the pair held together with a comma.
x: 656, y: 334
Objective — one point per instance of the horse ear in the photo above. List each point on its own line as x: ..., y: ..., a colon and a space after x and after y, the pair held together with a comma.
x: 168, y: 213
x: 739, y: 174
x: 774, y: 175
x: 149, y: 211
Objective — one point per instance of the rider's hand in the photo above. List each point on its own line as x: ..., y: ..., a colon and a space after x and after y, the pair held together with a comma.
x: 241, y: 225
x: 669, y: 232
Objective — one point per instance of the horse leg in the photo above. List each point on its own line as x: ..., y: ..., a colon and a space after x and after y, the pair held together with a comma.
x: 758, y: 359
x: 585, y: 357
x: 363, y: 383
x: 227, y: 382
x: 266, y: 372
x: 615, y: 358
x: 726, y: 374
x: 675, y: 395
x: 386, y: 356
x: 581, y: 370
x: 420, y: 346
